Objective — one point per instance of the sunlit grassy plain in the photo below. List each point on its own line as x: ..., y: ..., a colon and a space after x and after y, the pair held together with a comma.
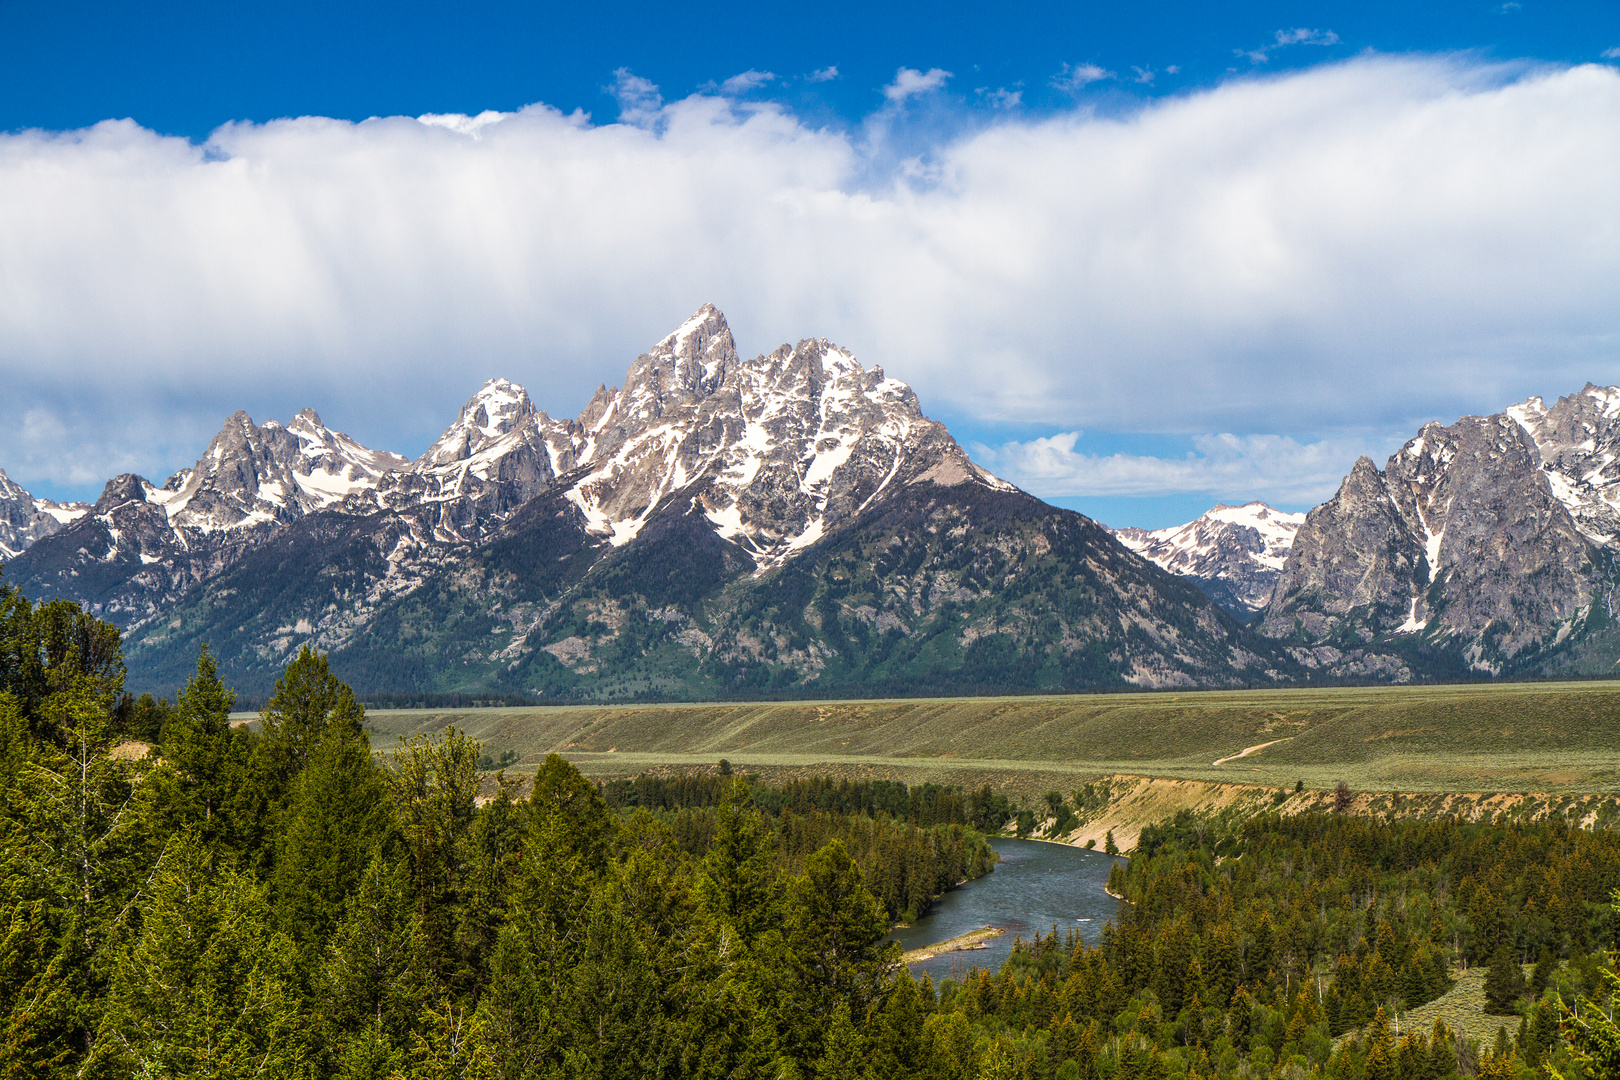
x: 1556, y: 738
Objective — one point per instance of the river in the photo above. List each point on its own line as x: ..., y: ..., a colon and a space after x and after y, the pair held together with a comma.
x: 1034, y: 887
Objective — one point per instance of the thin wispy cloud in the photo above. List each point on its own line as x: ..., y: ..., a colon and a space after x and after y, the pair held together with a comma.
x: 748, y: 80
x: 826, y: 74
x: 1072, y: 78
x: 1273, y: 468
x: 1001, y: 97
x: 1284, y: 38
x: 1364, y: 244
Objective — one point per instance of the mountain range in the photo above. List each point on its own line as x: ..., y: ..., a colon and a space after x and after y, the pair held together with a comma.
x: 719, y: 526
x: 793, y: 525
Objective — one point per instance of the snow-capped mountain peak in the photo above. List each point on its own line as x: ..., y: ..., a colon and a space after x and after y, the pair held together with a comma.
x: 776, y: 451
x: 495, y: 420
x: 252, y: 476
x: 1233, y: 552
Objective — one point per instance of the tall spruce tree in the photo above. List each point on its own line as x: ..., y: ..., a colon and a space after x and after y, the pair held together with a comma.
x: 376, y: 975
x: 336, y: 818
x: 199, y: 785
x: 432, y: 783
x: 836, y: 928
x: 205, y: 991
x: 308, y: 700
x: 1504, y: 983
x: 738, y: 885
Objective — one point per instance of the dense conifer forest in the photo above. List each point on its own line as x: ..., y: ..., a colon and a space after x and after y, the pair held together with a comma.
x: 179, y: 897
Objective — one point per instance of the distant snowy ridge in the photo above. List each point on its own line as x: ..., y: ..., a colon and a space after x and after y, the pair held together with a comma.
x: 1234, y: 553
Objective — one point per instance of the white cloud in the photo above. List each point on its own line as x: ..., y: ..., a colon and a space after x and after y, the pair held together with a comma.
x: 1284, y: 38
x: 1144, y: 75
x: 748, y: 80
x: 1302, y: 36
x: 1073, y: 77
x: 639, y: 99
x: 1273, y: 468
x: 1612, y: 53
x: 908, y: 83
x: 1002, y: 98
x: 1361, y: 245
x: 826, y: 74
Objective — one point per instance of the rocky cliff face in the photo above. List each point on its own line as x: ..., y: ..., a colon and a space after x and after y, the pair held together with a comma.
x: 25, y: 519
x: 1488, y: 537
x: 716, y: 526
x: 1233, y: 553
x: 141, y: 546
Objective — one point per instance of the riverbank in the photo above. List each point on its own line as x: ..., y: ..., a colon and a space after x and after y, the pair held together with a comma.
x: 971, y: 941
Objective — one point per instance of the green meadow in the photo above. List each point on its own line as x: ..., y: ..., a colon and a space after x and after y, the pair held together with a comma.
x: 1556, y: 738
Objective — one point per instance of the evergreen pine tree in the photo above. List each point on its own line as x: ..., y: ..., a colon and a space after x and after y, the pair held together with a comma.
x: 1220, y: 964
x: 513, y: 1011
x: 334, y: 821
x: 836, y: 928
x: 1261, y: 957
x: 1504, y: 982
x: 1239, y: 1020
x: 738, y: 885
x: 1378, y: 1065
x: 843, y: 1051
x: 1541, y: 975
x: 433, y: 783
x: 609, y: 1010
x: 1174, y: 953
x: 205, y: 990
x: 948, y: 1047
x: 204, y: 762
x: 894, y: 1035
x: 1442, y: 1052
x: 375, y: 973
x: 563, y: 794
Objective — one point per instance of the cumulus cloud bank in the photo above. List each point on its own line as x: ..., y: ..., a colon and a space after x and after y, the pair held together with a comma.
x: 1359, y: 245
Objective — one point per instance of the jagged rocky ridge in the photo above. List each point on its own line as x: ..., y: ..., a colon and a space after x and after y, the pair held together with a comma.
x: 25, y: 518
x: 1233, y: 553
x: 1482, y: 547
x: 788, y: 524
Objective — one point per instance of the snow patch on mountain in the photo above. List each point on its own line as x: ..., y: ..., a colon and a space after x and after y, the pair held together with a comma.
x: 1578, y: 440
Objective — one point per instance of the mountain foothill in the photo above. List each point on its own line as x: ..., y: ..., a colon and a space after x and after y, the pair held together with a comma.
x: 792, y: 525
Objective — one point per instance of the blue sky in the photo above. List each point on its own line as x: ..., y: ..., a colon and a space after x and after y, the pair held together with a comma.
x: 1139, y: 257
x: 186, y: 68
